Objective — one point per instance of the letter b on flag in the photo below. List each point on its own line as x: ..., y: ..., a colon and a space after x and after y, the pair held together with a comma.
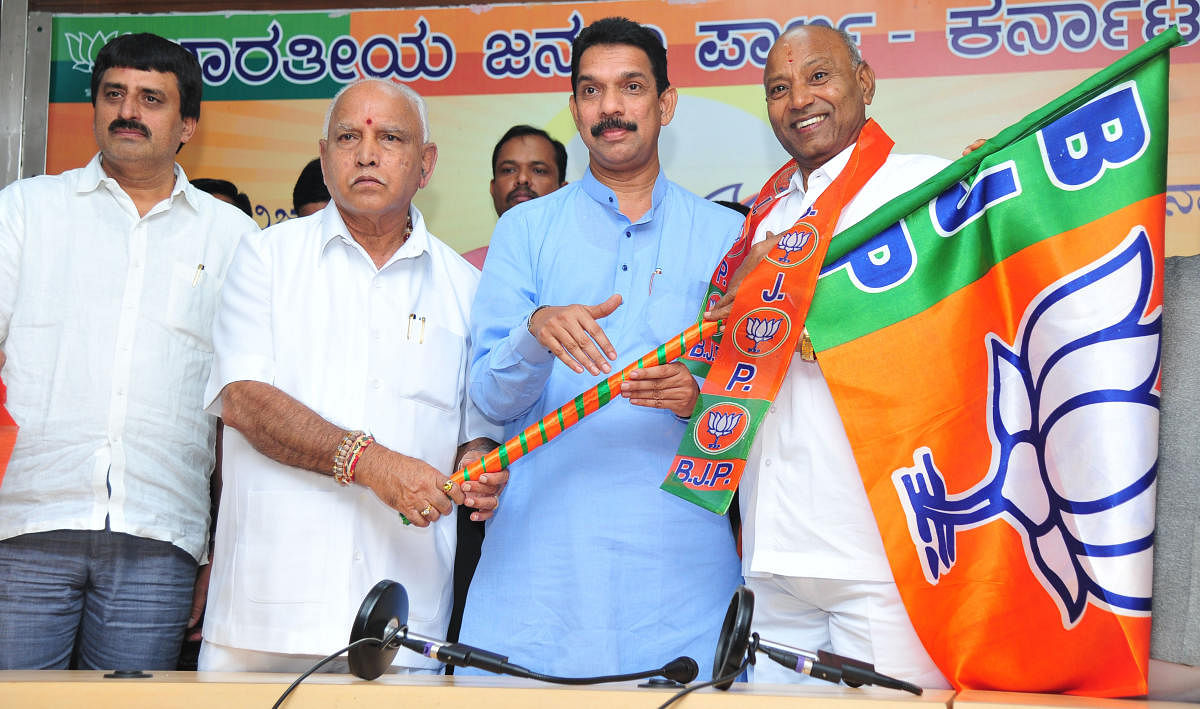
x: 1107, y: 132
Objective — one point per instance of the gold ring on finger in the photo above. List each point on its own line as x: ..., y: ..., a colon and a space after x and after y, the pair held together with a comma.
x: 427, y: 511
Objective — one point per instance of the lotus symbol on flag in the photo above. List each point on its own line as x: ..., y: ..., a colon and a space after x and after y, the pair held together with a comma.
x: 721, y: 424
x: 793, y: 241
x: 84, y: 47
x: 1072, y: 416
x: 761, y: 329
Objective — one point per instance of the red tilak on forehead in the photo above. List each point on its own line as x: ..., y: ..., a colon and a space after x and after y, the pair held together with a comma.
x: 369, y: 121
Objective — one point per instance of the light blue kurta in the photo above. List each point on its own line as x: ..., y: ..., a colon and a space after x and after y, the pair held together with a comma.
x: 589, y: 568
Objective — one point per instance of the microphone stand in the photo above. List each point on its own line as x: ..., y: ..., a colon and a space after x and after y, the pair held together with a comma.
x: 381, y: 627
x: 737, y: 642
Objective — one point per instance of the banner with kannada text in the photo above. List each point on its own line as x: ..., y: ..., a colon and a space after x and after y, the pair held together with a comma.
x: 949, y: 72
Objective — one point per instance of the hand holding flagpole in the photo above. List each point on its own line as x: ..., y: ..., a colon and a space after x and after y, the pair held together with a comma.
x: 570, y: 413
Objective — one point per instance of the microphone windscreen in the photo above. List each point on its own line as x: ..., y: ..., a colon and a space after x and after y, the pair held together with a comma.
x: 681, y: 669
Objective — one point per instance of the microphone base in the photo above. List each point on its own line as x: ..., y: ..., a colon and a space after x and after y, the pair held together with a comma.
x: 383, y: 610
x: 661, y: 683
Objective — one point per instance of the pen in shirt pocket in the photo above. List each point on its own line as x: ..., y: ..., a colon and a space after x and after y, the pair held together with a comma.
x: 199, y: 272
x: 412, y: 320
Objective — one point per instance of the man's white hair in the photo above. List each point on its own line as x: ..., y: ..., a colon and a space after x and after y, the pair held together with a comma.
x: 408, y: 94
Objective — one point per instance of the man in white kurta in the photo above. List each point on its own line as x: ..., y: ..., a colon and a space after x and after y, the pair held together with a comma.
x: 811, y: 551
x: 353, y: 320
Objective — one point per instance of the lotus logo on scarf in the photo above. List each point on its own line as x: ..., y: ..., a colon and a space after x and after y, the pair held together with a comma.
x: 721, y: 426
x: 1069, y: 472
x: 795, y: 246
x: 761, y: 331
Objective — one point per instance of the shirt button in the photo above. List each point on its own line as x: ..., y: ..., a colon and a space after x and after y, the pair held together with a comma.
x: 767, y: 462
x: 376, y: 384
x: 624, y: 267
x: 610, y: 199
x: 627, y: 235
x: 773, y: 409
x: 358, y: 556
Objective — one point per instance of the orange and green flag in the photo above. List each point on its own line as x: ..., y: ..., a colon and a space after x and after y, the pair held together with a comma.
x: 991, y: 339
x: 1009, y: 446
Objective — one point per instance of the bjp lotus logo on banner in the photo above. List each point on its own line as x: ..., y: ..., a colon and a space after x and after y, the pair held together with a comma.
x: 1063, y: 474
x: 761, y: 331
x: 721, y: 426
x: 83, y: 48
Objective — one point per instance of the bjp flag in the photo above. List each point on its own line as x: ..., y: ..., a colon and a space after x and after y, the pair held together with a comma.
x: 1008, y: 443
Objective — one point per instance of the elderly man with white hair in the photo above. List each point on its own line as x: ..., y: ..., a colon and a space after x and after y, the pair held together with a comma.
x: 340, y: 372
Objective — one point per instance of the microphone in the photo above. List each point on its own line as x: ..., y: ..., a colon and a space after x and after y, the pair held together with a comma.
x: 682, y: 670
x: 384, y: 615
x: 736, y: 644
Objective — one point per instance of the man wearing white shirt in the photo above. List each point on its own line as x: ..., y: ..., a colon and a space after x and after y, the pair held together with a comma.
x: 340, y: 372
x: 811, y: 550
x: 109, y: 276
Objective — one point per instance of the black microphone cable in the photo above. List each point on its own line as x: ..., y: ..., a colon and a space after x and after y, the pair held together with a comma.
x: 597, y: 680
x: 681, y: 669
x: 330, y: 658
x: 461, y: 655
x: 749, y: 659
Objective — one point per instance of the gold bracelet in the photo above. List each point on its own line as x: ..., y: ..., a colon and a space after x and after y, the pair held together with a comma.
x: 342, y: 455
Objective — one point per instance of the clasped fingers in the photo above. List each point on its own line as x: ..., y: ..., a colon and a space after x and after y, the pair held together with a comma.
x: 484, y: 494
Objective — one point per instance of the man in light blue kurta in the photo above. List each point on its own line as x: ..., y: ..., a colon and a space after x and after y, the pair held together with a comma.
x: 588, y: 568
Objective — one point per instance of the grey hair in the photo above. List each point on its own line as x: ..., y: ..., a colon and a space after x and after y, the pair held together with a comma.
x: 855, y: 54
x: 411, y: 96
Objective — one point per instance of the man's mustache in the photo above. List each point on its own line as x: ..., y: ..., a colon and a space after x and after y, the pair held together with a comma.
x: 610, y: 123
x: 521, y: 192
x: 128, y: 124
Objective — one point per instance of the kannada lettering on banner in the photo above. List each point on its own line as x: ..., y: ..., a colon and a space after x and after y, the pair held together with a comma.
x: 484, y: 68
x: 734, y: 45
x: 517, y: 52
x: 1041, y: 28
x: 303, y: 48
x: 1009, y: 449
